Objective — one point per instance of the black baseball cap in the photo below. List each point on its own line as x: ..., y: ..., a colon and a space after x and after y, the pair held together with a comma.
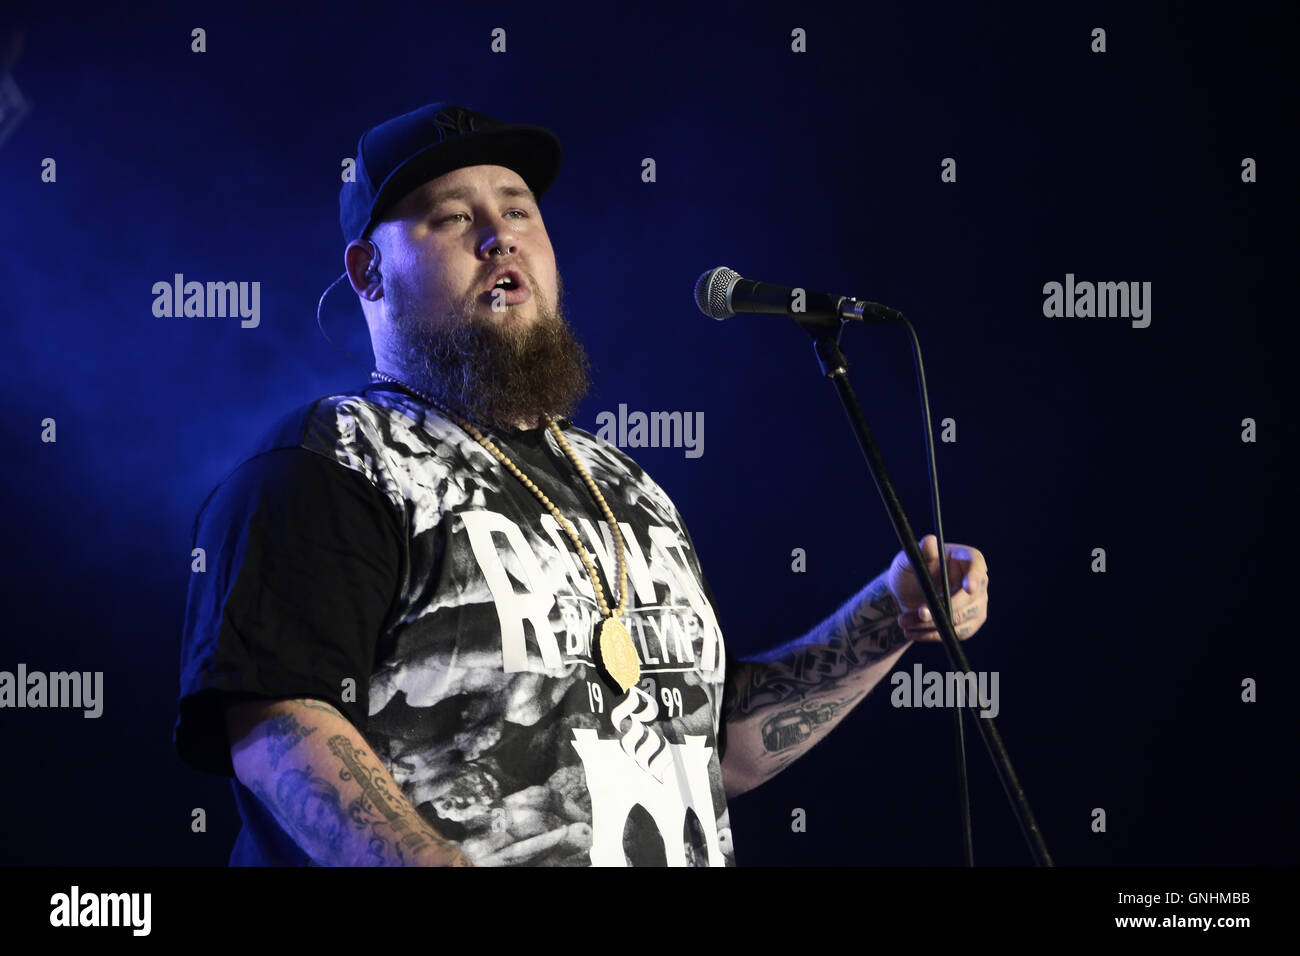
x: 405, y: 152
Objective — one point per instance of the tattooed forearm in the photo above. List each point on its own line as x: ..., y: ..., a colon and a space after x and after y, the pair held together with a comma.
x: 788, y: 699
x: 339, y: 802
x: 861, y: 633
x: 282, y: 733
x: 310, y: 808
x: 795, y: 726
x: 377, y: 798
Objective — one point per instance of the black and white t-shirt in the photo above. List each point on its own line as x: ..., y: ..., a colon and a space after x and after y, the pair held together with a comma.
x: 372, y: 554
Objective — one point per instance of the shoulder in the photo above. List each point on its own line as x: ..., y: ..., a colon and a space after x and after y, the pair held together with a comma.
x: 347, y: 420
x: 364, y: 431
x: 316, y: 444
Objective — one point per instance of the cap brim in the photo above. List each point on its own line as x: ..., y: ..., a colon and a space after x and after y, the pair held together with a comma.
x: 532, y: 151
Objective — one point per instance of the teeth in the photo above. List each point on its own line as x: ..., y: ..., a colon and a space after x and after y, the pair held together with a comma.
x: 503, y: 281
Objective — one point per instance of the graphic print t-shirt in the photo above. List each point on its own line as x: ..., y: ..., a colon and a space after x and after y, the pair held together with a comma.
x: 372, y: 543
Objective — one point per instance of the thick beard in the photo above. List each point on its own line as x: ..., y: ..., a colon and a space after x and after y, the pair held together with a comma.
x: 492, y: 371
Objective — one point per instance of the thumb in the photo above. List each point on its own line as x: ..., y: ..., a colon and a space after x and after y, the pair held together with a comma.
x: 930, y: 550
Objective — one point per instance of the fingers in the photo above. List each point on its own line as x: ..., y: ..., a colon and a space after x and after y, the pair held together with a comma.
x: 976, y: 570
x: 919, y: 618
x: 966, y: 562
x: 962, y: 558
x: 968, y: 614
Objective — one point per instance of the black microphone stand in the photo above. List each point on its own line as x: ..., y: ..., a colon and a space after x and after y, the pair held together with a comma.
x: 826, y: 343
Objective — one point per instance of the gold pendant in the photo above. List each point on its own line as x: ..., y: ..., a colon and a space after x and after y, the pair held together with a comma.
x: 617, y: 654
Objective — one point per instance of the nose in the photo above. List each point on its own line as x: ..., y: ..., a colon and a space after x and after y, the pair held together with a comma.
x: 501, y: 241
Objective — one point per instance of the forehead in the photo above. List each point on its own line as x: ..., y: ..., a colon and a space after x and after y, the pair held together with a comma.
x: 469, y: 182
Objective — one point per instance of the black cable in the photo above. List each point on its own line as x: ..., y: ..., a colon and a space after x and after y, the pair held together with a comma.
x: 959, y: 726
x: 365, y: 365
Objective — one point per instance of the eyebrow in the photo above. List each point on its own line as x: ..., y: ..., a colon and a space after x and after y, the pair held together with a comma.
x: 512, y: 192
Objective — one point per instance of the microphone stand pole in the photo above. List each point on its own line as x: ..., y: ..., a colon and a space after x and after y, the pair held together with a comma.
x: 834, y: 365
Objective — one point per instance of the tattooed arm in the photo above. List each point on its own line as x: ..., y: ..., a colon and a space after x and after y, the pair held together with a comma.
x: 314, y: 771
x: 788, y: 699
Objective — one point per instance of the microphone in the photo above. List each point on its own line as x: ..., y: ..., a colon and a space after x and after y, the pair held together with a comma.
x: 722, y: 292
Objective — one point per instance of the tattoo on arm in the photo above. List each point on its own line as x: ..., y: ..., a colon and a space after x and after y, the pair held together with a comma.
x: 282, y: 733
x: 861, y: 633
x: 311, y: 808
x: 795, y: 726
x: 375, y: 797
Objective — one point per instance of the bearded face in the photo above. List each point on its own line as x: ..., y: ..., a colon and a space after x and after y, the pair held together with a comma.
x: 439, y: 324
x: 493, y: 367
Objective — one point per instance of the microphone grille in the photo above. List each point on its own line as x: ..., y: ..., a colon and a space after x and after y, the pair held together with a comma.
x: 712, y: 291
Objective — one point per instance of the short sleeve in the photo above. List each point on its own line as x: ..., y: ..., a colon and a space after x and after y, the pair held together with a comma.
x: 303, y: 558
x: 728, y: 702
x: 728, y: 691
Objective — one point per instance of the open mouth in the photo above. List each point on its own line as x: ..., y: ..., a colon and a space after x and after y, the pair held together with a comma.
x: 509, y: 289
x: 509, y: 279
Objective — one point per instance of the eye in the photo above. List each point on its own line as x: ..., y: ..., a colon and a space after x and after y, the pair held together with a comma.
x: 521, y: 212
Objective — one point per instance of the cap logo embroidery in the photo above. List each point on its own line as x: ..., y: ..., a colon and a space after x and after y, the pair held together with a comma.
x: 453, y: 122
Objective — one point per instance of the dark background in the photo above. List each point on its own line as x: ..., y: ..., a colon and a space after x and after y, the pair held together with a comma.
x: 1118, y: 690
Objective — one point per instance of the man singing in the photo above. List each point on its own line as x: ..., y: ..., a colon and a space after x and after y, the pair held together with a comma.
x: 442, y: 625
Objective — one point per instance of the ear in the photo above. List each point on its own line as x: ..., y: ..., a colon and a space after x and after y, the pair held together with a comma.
x: 357, y: 259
